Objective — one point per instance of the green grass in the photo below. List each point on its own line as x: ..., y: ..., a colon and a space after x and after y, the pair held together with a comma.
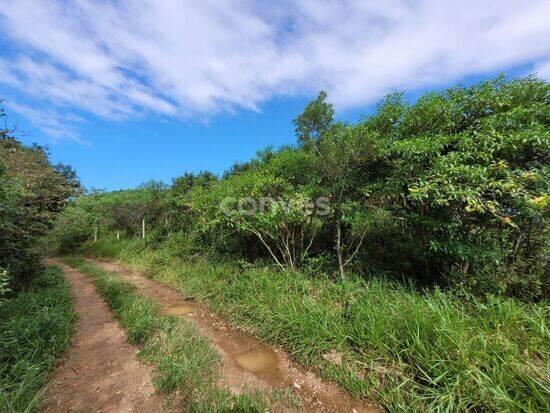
x: 408, y: 350
x: 186, y: 365
x: 35, y: 328
x: 105, y: 247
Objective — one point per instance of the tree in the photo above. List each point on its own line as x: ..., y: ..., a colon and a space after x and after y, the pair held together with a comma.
x: 269, y: 202
x: 33, y: 192
x: 314, y: 121
x: 346, y: 160
x: 452, y: 189
x: 470, y: 174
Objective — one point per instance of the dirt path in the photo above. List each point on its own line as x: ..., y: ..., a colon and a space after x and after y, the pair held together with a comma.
x: 247, y: 363
x: 100, y: 371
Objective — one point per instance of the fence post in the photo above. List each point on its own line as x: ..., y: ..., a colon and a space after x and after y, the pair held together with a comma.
x: 117, y: 234
x: 143, y: 228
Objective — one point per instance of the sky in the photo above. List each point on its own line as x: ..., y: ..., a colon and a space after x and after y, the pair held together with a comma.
x: 128, y: 91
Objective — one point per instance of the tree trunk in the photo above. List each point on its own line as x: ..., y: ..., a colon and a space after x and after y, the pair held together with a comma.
x: 339, y: 249
x: 143, y: 228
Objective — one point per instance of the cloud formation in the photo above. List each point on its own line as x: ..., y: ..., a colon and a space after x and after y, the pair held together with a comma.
x: 198, y: 58
x: 50, y: 122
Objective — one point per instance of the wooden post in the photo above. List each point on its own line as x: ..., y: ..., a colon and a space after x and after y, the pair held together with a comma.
x: 117, y: 234
x: 143, y: 228
x: 95, y: 234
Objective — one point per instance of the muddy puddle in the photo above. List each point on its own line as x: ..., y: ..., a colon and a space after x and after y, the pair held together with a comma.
x: 260, y: 360
x: 180, y: 310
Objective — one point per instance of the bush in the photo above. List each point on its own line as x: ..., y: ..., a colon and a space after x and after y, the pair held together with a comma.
x: 32, y: 193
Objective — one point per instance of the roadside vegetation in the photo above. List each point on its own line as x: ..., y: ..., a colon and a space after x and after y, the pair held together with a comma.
x: 35, y: 328
x: 405, y: 256
x: 33, y: 191
x: 35, y: 307
x: 186, y: 364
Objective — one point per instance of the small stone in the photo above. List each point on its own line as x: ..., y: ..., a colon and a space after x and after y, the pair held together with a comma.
x: 297, y: 385
x: 334, y: 357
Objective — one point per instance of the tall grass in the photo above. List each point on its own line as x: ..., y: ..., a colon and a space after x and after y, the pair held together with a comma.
x: 35, y: 328
x: 106, y: 247
x: 409, y: 350
x: 186, y: 364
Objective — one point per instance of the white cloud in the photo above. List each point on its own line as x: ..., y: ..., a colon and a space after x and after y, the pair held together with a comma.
x: 55, y: 125
x: 543, y: 69
x: 197, y: 58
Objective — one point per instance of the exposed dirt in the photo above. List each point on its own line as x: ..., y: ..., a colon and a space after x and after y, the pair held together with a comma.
x: 100, y: 371
x: 247, y: 363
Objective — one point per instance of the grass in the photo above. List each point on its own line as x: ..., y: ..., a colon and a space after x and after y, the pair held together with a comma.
x: 107, y: 248
x: 186, y: 365
x: 35, y: 328
x: 408, y: 350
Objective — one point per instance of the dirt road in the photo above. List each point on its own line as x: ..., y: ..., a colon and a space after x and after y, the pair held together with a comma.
x: 100, y: 371
x: 247, y: 363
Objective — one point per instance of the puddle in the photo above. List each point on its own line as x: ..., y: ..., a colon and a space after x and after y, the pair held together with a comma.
x: 259, y: 359
x: 180, y: 310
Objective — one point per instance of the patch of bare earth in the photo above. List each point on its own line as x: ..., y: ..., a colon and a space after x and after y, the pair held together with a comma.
x: 100, y: 371
x: 247, y: 363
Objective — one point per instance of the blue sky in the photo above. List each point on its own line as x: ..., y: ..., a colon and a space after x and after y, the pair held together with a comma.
x: 152, y: 89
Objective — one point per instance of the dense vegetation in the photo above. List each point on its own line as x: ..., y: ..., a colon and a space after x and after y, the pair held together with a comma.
x: 32, y: 192
x: 35, y: 329
x: 451, y: 190
x: 35, y: 307
x: 413, y: 245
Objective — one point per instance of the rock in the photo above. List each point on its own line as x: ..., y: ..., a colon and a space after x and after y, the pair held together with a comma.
x: 334, y: 357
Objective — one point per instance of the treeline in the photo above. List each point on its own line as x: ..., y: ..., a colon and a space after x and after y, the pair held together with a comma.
x: 452, y: 190
x: 33, y: 191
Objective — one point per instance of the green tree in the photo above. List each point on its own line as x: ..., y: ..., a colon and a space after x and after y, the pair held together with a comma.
x: 314, y: 121
x: 347, y: 158
x: 470, y: 174
x: 33, y: 192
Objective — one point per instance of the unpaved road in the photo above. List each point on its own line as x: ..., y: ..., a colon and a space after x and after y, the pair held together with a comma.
x: 247, y: 363
x: 100, y: 371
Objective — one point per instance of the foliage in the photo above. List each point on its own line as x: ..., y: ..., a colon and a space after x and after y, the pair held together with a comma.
x: 314, y: 121
x: 264, y: 203
x: 451, y: 190
x: 32, y: 193
x: 469, y: 173
x: 438, y: 218
x: 72, y: 229
x: 347, y: 158
x: 35, y: 329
